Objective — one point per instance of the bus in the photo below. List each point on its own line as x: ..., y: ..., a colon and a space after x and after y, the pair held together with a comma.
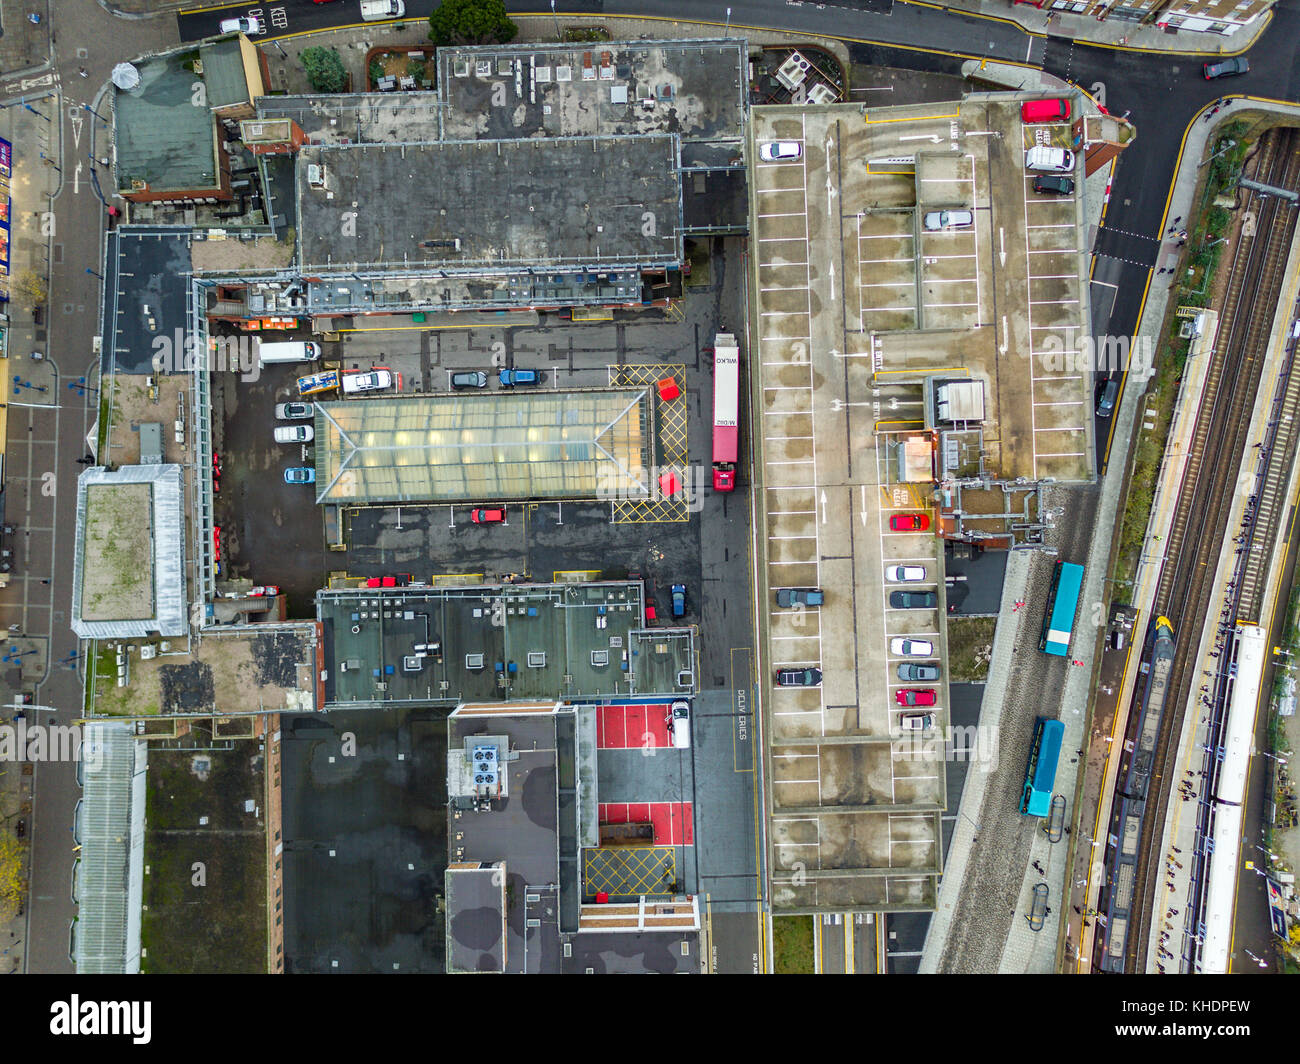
x: 726, y: 411
x: 1036, y: 799
x: 1062, y: 604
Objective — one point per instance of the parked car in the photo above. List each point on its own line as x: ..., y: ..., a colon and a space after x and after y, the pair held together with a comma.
x: 911, y: 648
x: 905, y: 574
x: 914, y: 697
x: 374, y: 381
x: 777, y: 150
x: 508, y: 378
x: 679, y: 600
x: 913, y: 600
x: 949, y: 220
x: 909, y: 522
x: 799, y: 596
x: 474, y: 379
x: 911, y: 672
x: 249, y: 25
x: 263, y: 590
x: 318, y: 382
x: 379, y: 10
x: 1107, y: 393
x: 1045, y: 157
x: 1224, y: 68
x: 287, y: 411
x: 916, y: 721
x: 798, y: 677
x: 1054, y: 110
x: 294, y: 433
x: 300, y: 475
x: 487, y: 517
x: 679, y: 723
x: 1053, y: 184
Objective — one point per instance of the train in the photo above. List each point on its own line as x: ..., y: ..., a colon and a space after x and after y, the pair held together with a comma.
x: 1129, y: 811
x: 1218, y: 841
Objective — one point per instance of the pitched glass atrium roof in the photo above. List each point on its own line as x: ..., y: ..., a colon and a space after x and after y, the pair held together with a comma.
x: 489, y: 447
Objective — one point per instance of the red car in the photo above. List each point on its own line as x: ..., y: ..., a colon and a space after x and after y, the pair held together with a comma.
x: 487, y: 517
x: 910, y: 697
x: 909, y: 522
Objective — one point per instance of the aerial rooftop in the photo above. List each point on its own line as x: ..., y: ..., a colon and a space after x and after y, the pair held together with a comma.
x: 495, y: 642
x: 492, y: 206
x: 695, y: 89
x: 129, y: 568
x: 468, y: 448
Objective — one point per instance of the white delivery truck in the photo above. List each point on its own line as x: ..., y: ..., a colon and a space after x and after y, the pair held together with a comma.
x: 378, y: 10
x: 292, y: 351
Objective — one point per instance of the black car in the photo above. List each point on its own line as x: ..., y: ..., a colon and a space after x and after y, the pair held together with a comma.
x: 1107, y: 393
x: 1054, y: 184
x: 798, y: 677
x: 1225, y: 68
x: 473, y: 379
x: 910, y: 671
x: 913, y: 600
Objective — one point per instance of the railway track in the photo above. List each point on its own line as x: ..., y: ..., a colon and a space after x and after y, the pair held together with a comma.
x: 1186, y: 590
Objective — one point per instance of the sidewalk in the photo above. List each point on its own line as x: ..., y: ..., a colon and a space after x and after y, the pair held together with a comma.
x: 25, y: 46
x: 32, y: 180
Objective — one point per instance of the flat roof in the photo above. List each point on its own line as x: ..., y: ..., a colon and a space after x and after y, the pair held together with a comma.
x: 499, y: 643
x: 476, y: 917
x: 159, y: 136
x: 485, y: 447
x: 694, y: 88
x: 358, y: 118
x: 492, y: 205
x: 129, y: 565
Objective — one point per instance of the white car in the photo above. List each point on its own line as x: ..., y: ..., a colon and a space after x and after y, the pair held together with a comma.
x: 905, y: 574
x: 249, y: 25
x: 294, y: 433
x: 780, y: 149
x: 916, y: 721
x: 374, y: 381
x: 936, y: 220
x: 912, y: 648
x: 679, y: 723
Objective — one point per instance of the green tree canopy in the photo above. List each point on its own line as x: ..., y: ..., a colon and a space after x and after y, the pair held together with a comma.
x: 471, y: 22
x: 324, y: 69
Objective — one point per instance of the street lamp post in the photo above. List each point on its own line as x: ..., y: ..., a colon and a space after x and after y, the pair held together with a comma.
x: 728, y: 26
x: 35, y: 112
x: 557, y: 21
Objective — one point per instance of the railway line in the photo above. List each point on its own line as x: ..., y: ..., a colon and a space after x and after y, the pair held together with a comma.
x: 1186, y: 589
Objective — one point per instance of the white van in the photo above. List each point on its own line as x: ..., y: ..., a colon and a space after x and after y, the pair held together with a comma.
x: 1056, y: 160
x: 378, y: 10
x: 293, y: 351
x: 679, y: 723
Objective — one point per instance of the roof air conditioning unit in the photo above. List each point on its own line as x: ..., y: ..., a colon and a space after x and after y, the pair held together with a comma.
x: 316, y: 175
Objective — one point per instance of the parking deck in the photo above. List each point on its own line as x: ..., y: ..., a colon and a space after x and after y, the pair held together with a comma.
x: 859, y: 303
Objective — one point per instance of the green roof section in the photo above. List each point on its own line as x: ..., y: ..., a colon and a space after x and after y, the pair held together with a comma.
x: 486, y: 448
x: 223, y: 72
x: 164, y: 131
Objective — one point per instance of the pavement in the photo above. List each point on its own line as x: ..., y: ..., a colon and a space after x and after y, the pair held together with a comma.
x: 58, y: 228
x: 25, y: 46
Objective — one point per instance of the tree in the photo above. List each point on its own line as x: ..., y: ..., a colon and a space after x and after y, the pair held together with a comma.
x: 471, y: 22
x: 32, y: 287
x: 324, y: 69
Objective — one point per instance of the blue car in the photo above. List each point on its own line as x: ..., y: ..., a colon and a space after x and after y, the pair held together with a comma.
x: 679, y: 600
x: 300, y: 475
x: 508, y: 378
